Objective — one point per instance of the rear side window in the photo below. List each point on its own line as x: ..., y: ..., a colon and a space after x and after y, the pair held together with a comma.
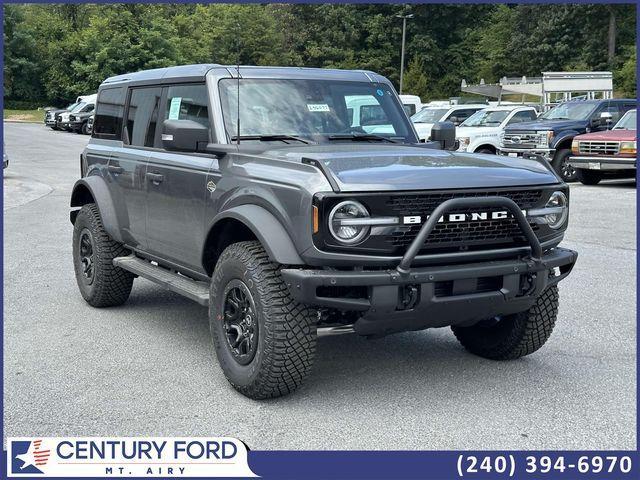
x: 523, y: 116
x: 142, y: 116
x: 109, y: 113
x: 188, y: 102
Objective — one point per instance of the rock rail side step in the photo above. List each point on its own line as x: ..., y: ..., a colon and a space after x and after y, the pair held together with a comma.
x: 192, y: 289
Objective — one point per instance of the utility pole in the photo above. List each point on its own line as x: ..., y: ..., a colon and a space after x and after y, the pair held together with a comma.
x: 404, y: 36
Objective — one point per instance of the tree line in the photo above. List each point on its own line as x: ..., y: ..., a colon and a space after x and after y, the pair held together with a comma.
x: 52, y: 53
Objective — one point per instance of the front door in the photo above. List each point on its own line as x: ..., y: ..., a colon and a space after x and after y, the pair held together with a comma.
x: 177, y: 184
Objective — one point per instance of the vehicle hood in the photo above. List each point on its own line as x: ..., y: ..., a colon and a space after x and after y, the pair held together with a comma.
x: 385, y: 167
x: 476, y: 132
x: 611, y: 135
x: 554, y: 125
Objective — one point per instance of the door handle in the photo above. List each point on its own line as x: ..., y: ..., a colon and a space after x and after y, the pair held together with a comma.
x: 115, y: 169
x: 156, y: 178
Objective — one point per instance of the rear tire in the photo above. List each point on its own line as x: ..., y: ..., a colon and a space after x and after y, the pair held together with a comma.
x: 485, y: 150
x: 101, y: 283
x: 561, y: 165
x: 513, y: 336
x: 588, y: 177
x: 264, y: 340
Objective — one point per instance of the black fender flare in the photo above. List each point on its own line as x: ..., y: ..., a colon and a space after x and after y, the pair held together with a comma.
x: 268, y: 230
x: 564, y: 136
x: 98, y: 190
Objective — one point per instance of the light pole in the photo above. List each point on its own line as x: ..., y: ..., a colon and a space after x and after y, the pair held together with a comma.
x: 404, y: 36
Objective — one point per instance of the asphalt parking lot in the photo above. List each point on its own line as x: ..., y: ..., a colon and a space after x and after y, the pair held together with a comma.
x: 147, y: 367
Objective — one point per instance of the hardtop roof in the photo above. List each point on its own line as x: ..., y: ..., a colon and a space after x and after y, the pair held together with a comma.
x: 199, y: 71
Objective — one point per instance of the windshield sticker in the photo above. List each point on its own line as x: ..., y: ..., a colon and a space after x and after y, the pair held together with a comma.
x: 318, y: 107
x: 174, y: 110
x: 380, y: 92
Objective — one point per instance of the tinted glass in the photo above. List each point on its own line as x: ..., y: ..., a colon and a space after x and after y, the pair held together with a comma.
x: 463, y: 114
x: 142, y: 117
x: 109, y: 113
x: 524, y: 116
x: 188, y: 102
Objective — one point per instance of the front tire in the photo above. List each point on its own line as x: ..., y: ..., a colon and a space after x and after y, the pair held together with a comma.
x: 588, y: 177
x: 264, y: 340
x: 561, y: 165
x: 85, y: 128
x: 512, y: 336
x: 101, y: 283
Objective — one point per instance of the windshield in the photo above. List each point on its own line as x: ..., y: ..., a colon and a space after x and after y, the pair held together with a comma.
x: 72, y: 106
x: 429, y: 115
x: 569, y: 111
x: 77, y: 107
x: 314, y: 110
x: 486, y: 118
x: 628, y: 122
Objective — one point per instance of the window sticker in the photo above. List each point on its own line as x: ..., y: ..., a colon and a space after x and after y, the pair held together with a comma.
x: 174, y: 110
x: 318, y: 107
x: 380, y: 92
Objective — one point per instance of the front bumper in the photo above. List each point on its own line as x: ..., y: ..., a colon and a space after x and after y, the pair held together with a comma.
x: 446, y: 295
x: 603, y: 163
x: 409, y: 298
x: 546, y: 153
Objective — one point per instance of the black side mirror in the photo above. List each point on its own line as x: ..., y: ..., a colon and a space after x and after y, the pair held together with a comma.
x: 185, y: 135
x: 445, y: 134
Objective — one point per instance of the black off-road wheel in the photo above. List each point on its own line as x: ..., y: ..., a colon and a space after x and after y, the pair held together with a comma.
x: 512, y: 336
x: 561, y: 165
x: 588, y: 177
x: 101, y: 283
x: 264, y: 340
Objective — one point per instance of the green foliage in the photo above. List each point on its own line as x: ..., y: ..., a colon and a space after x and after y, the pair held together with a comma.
x: 55, y: 52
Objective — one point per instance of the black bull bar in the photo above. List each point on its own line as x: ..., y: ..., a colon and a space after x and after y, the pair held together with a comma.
x: 407, y: 298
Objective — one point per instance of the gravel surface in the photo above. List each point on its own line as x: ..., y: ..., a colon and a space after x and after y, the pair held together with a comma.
x: 148, y: 368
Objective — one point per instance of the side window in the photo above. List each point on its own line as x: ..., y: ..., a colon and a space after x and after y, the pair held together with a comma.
x: 523, y: 116
x: 462, y: 114
x: 188, y: 102
x: 142, y: 116
x: 109, y: 112
x: 612, y: 108
x: 409, y: 108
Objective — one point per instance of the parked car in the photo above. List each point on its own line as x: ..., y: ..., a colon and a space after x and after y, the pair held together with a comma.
x: 80, y: 114
x: 300, y: 223
x: 411, y: 103
x: 609, y: 154
x: 50, y: 115
x: 424, y: 120
x: 79, y: 121
x: 90, y: 124
x: 550, y: 136
x: 481, y: 132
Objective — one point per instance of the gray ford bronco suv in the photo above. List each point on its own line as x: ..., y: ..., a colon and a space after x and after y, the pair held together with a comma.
x: 299, y: 202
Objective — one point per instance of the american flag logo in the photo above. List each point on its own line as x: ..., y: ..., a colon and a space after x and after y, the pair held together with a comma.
x: 36, y: 455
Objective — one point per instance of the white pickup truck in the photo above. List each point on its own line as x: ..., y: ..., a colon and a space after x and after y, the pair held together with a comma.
x: 480, y: 133
x: 424, y: 120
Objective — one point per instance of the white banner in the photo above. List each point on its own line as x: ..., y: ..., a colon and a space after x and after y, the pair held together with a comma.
x: 127, y: 457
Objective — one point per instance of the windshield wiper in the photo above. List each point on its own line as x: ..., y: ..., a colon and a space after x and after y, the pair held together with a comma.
x: 361, y: 137
x: 268, y: 138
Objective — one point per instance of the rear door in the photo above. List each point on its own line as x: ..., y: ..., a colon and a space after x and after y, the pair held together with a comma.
x: 125, y: 167
x: 176, y: 183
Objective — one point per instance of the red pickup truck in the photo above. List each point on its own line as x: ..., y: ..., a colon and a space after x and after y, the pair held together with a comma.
x: 608, y: 154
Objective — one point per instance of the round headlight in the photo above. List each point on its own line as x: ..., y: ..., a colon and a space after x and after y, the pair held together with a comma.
x: 558, y: 202
x: 345, y: 222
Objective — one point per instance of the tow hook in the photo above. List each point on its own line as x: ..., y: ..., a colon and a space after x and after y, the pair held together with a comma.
x: 408, y: 297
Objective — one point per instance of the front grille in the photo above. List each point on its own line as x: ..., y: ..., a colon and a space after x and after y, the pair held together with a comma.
x: 522, y: 140
x: 464, y: 235
x: 599, y: 148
